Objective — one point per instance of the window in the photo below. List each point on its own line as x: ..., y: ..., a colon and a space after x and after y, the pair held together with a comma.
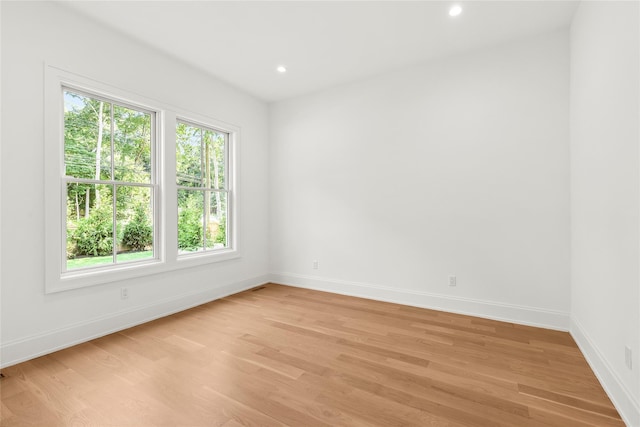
x: 203, y: 189
x: 109, y: 176
x: 133, y: 186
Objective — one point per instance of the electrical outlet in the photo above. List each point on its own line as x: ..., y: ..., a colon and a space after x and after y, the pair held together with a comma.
x: 124, y: 293
x: 628, y: 357
x: 315, y: 264
x: 453, y: 281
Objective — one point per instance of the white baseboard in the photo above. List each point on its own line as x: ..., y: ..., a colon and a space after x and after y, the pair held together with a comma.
x: 619, y: 394
x: 17, y: 351
x: 530, y: 316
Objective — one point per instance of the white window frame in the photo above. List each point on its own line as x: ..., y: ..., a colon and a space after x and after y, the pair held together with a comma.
x: 165, y: 189
x: 228, y: 187
x: 153, y: 185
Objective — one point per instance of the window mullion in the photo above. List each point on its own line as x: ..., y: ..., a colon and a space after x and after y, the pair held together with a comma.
x: 155, y: 206
x: 203, y: 179
x: 166, y: 192
x: 111, y: 127
x: 65, y: 231
x: 204, y: 219
x: 105, y: 182
x: 114, y: 189
x: 114, y: 233
x: 201, y: 159
x: 226, y: 161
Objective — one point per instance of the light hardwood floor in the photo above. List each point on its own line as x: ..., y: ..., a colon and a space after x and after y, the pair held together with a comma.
x: 278, y: 355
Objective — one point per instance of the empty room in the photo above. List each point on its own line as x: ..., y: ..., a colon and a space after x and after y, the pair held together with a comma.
x: 320, y: 213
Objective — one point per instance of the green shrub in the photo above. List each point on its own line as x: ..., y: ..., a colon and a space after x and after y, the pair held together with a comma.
x: 190, y: 228
x: 221, y: 236
x: 72, y: 251
x: 138, y: 233
x: 94, y: 235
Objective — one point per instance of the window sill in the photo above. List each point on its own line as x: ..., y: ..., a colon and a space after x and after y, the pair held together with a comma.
x: 84, y: 278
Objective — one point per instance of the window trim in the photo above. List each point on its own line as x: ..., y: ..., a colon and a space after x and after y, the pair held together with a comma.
x: 165, y: 195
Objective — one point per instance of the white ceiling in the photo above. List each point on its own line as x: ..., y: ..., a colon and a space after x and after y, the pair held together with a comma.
x: 322, y: 43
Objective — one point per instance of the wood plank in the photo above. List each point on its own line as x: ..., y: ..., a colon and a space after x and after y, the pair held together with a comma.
x: 283, y: 356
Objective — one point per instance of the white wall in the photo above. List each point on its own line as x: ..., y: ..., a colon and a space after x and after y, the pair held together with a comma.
x: 459, y: 166
x: 605, y: 194
x: 33, y: 322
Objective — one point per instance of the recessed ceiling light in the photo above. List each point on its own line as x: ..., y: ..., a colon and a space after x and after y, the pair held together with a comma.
x: 281, y: 69
x: 455, y: 10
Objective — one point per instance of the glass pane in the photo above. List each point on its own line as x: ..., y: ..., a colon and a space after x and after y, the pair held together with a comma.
x: 87, y: 138
x: 190, y: 220
x: 216, y: 220
x: 134, y: 222
x: 89, y: 225
x: 214, y: 159
x: 188, y: 155
x: 132, y: 145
